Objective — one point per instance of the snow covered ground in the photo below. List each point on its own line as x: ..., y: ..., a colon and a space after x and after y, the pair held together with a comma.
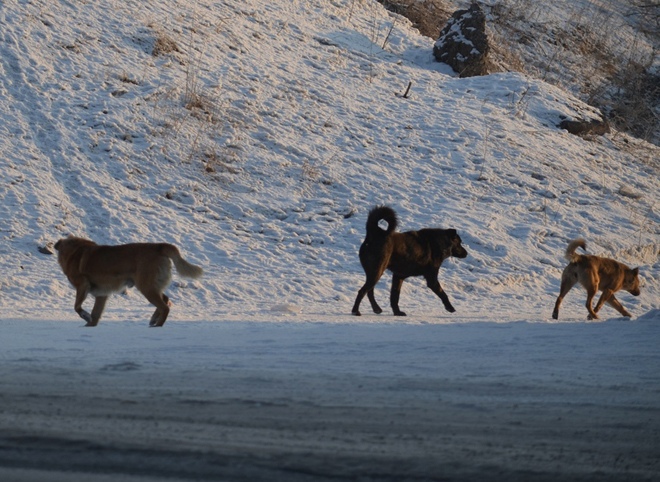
x: 258, y: 146
x: 321, y: 400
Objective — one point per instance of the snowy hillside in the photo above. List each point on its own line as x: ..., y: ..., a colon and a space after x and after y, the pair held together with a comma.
x: 257, y: 135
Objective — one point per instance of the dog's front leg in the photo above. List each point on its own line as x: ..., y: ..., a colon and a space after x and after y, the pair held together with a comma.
x: 394, y: 295
x: 433, y: 283
x: 607, y: 294
x: 81, y: 295
x: 591, y: 293
x: 374, y: 305
x: 97, y: 311
x: 614, y: 303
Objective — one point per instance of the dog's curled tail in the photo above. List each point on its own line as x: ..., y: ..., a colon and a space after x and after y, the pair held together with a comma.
x: 572, y: 246
x: 378, y: 214
x: 183, y: 267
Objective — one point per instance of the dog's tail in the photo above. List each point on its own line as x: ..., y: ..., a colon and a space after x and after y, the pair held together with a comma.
x: 374, y: 222
x: 183, y: 267
x: 572, y: 246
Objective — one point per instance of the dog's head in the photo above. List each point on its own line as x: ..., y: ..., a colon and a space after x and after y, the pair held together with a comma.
x: 631, y: 282
x: 62, y: 245
x: 457, y: 249
x: 65, y: 247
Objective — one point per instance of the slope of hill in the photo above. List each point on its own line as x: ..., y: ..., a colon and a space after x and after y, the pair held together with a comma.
x: 604, y: 52
x: 256, y: 136
x: 259, y: 139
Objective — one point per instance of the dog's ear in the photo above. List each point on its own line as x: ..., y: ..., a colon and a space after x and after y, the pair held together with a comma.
x: 58, y: 244
x: 452, y: 233
x: 635, y: 271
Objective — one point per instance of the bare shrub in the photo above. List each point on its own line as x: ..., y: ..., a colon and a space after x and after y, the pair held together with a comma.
x: 202, y: 104
x: 619, y: 82
x: 127, y: 79
x: 616, y: 77
x: 635, y: 107
x: 223, y: 162
x: 164, y: 45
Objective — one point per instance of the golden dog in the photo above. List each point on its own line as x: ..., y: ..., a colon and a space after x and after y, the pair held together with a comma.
x: 596, y: 273
x: 103, y: 270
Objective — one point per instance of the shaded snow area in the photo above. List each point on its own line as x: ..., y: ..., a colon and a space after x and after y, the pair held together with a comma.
x: 256, y: 136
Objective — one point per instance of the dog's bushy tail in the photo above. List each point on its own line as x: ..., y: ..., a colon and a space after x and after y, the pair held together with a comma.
x: 572, y: 246
x: 183, y: 267
x: 378, y: 214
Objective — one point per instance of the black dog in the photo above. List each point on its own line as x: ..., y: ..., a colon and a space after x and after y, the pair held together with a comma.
x: 413, y: 253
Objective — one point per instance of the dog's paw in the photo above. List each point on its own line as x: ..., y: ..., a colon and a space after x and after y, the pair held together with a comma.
x: 450, y: 308
x: 378, y: 311
x: 399, y: 313
x: 555, y: 315
x: 356, y: 313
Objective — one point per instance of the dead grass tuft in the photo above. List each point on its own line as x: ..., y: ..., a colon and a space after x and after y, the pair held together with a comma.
x: 164, y: 45
x: 427, y: 16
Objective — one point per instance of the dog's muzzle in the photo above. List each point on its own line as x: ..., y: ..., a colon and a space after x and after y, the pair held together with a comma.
x: 461, y: 254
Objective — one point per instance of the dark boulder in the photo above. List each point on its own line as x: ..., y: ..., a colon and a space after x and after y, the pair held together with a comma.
x: 585, y: 127
x: 463, y: 43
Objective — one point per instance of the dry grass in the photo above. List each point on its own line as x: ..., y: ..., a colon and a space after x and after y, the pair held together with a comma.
x: 584, y: 56
x: 617, y: 81
x: 427, y: 16
x: 220, y: 162
x: 164, y: 45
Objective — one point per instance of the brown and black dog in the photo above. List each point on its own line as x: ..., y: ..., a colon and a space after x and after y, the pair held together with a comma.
x: 413, y: 253
x: 102, y: 270
x: 595, y: 273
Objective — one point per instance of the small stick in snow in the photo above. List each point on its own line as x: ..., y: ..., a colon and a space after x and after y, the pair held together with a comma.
x: 405, y: 94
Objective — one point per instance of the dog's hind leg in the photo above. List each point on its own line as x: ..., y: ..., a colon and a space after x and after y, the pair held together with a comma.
x: 162, y: 304
x: 367, y: 289
x: 97, y: 311
x: 395, y: 292
x: 614, y: 303
x: 568, y: 280
x: 358, y: 299
x: 433, y: 283
x: 156, y: 315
